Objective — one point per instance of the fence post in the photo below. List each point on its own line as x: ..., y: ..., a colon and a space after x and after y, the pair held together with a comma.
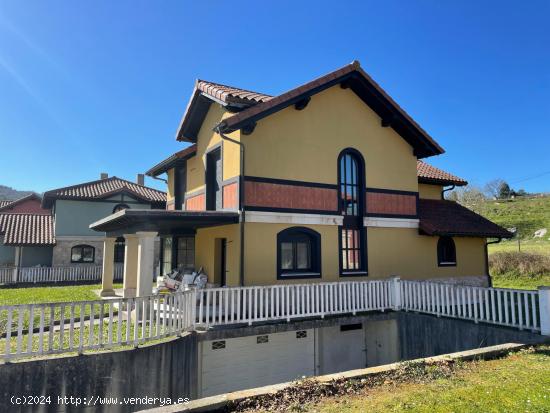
x: 396, y: 293
x: 15, y: 275
x: 544, y: 309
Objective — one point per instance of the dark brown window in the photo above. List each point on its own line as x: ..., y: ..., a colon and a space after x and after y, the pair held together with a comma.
x: 446, y: 252
x: 120, y: 207
x: 351, y: 188
x: 119, y: 249
x: 82, y: 254
x: 298, y: 253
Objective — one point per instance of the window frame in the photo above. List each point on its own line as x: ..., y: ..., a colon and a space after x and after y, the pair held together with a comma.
x: 81, y: 261
x: 440, y: 246
x: 294, y: 235
x: 123, y: 205
x: 354, y: 221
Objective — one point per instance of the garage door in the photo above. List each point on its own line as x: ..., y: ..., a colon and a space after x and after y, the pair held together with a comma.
x: 253, y: 361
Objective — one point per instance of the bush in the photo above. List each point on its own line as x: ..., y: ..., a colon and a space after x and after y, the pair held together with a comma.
x: 520, y: 263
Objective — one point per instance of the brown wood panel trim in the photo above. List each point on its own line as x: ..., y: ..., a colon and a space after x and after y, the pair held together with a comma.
x: 275, y: 195
x: 196, y: 203
x: 387, y: 203
x: 230, y: 196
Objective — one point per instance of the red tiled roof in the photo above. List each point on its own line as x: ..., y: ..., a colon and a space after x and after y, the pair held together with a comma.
x: 230, y: 94
x: 4, y: 203
x: 27, y: 229
x: 439, y: 217
x: 104, y: 188
x: 29, y: 204
x: 168, y: 163
x: 431, y: 175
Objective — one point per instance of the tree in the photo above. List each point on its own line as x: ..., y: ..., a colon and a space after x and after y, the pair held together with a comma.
x: 491, y: 188
x: 504, y: 191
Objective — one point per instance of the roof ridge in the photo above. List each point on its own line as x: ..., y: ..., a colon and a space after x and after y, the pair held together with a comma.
x: 233, y: 87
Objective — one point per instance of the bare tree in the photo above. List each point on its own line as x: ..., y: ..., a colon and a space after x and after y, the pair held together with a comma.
x: 492, y: 188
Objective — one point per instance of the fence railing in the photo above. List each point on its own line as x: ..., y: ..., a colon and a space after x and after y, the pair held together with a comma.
x: 12, y: 275
x: 217, y: 306
x: 512, y: 308
x: 36, y: 329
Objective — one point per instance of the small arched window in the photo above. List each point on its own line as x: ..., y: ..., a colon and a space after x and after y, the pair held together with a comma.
x: 446, y: 252
x: 298, y: 253
x: 120, y: 207
x: 82, y: 254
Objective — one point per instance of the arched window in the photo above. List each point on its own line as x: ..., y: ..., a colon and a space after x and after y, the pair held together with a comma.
x: 446, y: 252
x: 298, y: 253
x: 120, y: 207
x: 82, y: 254
x: 351, y: 189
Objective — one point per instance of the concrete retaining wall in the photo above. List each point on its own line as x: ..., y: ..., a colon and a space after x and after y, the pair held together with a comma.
x: 163, y: 370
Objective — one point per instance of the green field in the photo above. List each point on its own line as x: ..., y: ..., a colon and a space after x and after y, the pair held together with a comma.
x: 518, y: 382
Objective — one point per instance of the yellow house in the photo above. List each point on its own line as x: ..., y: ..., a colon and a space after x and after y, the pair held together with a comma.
x: 322, y: 183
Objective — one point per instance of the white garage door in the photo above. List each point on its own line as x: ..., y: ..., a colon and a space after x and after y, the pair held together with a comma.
x: 253, y: 361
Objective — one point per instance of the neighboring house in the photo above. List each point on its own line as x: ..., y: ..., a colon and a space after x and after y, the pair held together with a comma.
x: 26, y: 233
x: 54, y: 230
x: 322, y: 183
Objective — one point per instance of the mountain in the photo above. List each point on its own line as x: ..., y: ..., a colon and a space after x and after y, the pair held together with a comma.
x: 9, y: 193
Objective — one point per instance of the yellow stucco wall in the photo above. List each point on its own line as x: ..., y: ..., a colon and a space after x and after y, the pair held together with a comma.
x: 429, y: 191
x: 207, y: 255
x: 304, y: 145
x: 207, y: 138
x: 391, y: 251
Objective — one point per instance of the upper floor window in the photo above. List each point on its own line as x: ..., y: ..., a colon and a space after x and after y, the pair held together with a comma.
x: 298, y: 253
x: 120, y: 207
x: 350, y: 177
x: 446, y: 252
x: 82, y: 254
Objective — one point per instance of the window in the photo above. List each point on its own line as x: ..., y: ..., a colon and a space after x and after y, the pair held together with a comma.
x: 446, y: 252
x: 120, y: 207
x: 298, y: 253
x: 82, y: 254
x: 185, y: 253
x: 119, y: 249
x: 351, y: 188
x: 166, y: 255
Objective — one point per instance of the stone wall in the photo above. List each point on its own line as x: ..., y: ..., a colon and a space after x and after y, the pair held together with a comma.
x: 62, y: 252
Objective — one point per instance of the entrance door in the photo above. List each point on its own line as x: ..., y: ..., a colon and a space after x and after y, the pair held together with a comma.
x: 342, y: 348
x: 214, y: 178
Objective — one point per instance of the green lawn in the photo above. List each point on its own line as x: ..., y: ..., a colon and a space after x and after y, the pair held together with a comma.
x: 520, y: 282
x: 535, y: 246
x: 520, y: 382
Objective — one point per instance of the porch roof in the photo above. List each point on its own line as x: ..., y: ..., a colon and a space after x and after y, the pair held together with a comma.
x: 129, y: 221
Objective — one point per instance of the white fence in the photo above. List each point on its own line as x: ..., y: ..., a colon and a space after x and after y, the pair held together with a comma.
x: 33, y: 329
x: 11, y: 275
x: 512, y: 308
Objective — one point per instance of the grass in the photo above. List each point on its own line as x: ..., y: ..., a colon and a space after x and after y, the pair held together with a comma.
x: 518, y: 382
x: 536, y: 246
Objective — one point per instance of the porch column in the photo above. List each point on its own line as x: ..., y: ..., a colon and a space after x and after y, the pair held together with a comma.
x: 129, y: 283
x: 108, y: 273
x: 146, y: 263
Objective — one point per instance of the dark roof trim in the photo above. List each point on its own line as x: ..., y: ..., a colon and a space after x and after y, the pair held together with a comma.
x: 172, y: 160
x: 443, y: 182
x: 354, y: 77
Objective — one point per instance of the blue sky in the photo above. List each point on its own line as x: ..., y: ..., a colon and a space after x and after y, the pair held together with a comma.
x: 87, y: 87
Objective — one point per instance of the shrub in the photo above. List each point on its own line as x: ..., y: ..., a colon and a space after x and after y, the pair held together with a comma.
x: 520, y: 263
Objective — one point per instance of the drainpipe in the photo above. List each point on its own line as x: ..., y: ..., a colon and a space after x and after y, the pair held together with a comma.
x: 487, y: 243
x: 159, y: 179
x: 218, y: 130
x: 445, y: 190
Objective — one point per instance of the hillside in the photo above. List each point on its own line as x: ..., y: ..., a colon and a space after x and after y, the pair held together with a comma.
x: 7, y: 192
x: 527, y: 214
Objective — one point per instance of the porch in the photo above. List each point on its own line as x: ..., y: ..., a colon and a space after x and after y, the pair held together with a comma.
x: 139, y: 228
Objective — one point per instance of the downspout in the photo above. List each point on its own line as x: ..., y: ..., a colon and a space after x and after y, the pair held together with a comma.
x: 218, y: 130
x: 487, y: 243
x: 445, y: 190
x: 159, y: 179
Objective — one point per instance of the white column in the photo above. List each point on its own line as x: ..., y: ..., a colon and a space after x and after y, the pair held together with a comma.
x: 396, y: 293
x: 129, y: 283
x: 108, y: 272
x: 544, y: 309
x: 146, y: 263
x: 17, y: 264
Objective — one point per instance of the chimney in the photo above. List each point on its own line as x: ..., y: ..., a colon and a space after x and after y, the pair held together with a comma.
x: 140, y: 179
x: 104, y: 175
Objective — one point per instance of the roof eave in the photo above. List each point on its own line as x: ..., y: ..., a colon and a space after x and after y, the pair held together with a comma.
x: 444, y: 182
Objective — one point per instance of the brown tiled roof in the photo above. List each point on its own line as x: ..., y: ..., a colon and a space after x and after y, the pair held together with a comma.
x: 439, y: 217
x: 230, y: 94
x: 4, y: 203
x: 424, y: 144
x: 429, y: 174
x: 29, y: 204
x: 104, y: 188
x: 27, y: 229
x: 169, y: 162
